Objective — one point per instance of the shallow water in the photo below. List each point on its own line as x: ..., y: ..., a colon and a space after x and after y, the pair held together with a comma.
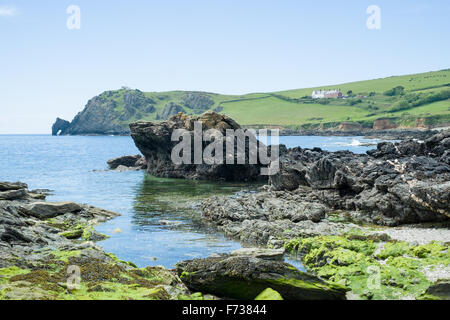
x: 159, y: 222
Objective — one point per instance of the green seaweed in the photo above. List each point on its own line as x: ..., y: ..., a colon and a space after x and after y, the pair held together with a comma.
x: 396, y: 272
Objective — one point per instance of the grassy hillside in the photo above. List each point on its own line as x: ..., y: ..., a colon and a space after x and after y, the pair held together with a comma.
x: 295, y: 109
x: 419, y: 99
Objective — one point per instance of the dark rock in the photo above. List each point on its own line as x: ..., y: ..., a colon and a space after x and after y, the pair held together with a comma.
x: 45, y: 210
x: 154, y: 140
x: 13, y: 194
x: 398, y: 183
x: 7, y: 186
x: 440, y: 289
x: 133, y: 161
x: 245, y: 277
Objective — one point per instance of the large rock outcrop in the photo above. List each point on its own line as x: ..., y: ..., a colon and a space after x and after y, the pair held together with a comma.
x: 154, y: 140
x: 131, y: 162
x: 245, y: 277
x: 397, y: 183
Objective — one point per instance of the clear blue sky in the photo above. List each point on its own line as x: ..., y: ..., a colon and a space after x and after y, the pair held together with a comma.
x: 224, y: 46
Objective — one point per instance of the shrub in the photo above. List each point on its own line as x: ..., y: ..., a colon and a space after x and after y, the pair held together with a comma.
x: 397, y: 91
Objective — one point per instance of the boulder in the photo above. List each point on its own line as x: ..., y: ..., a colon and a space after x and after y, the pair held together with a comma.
x: 133, y: 161
x: 245, y: 277
x: 46, y: 210
x: 154, y: 140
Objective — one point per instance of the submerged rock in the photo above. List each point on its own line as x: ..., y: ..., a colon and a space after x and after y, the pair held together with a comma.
x: 245, y: 277
x: 155, y: 143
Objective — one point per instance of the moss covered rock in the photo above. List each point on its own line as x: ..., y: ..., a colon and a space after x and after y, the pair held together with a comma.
x: 245, y: 277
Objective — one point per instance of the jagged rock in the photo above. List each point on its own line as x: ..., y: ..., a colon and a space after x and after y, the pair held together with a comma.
x: 133, y: 161
x: 383, y: 124
x: 154, y: 142
x: 13, y: 194
x: 387, y: 187
x: 245, y: 277
x: 398, y: 183
x: 45, y: 210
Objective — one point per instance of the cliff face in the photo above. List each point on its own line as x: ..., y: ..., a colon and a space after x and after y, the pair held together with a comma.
x: 111, y: 112
x: 108, y: 113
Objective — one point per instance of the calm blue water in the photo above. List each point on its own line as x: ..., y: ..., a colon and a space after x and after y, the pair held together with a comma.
x: 75, y: 168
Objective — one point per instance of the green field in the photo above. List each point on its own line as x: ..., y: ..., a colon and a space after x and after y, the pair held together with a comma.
x: 423, y: 98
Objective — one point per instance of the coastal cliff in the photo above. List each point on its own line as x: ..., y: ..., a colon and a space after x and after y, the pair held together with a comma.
x: 373, y: 105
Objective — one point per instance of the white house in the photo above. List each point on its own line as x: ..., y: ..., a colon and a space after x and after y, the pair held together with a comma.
x: 321, y: 94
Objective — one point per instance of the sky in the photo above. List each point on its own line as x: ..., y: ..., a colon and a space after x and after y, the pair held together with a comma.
x: 226, y: 46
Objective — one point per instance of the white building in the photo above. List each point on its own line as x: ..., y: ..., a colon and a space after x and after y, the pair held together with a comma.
x: 321, y: 94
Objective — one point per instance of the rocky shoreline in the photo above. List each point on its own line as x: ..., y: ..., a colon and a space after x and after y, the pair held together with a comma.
x: 338, y: 211
x: 365, y: 226
x: 48, y: 252
x: 346, y: 215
